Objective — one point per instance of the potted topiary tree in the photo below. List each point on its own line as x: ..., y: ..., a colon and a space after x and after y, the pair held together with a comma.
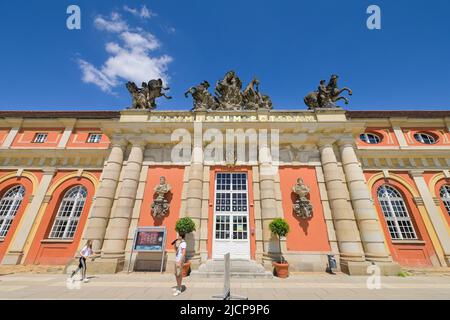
x: 280, y: 228
x: 185, y: 225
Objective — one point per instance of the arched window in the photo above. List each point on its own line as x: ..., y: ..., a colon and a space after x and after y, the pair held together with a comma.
x: 396, y: 214
x: 425, y: 138
x: 445, y: 197
x: 370, y: 138
x: 9, y: 204
x: 69, y: 213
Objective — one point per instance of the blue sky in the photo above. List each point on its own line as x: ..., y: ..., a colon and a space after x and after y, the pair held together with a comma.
x: 288, y: 45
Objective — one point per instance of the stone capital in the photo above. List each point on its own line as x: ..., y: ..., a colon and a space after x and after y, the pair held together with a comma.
x: 416, y: 173
x: 120, y: 142
x: 346, y: 141
x: 325, y: 142
x: 49, y: 171
x: 138, y: 142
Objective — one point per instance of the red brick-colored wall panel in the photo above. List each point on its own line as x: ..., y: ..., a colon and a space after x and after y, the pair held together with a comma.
x: 387, y: 135
x: 174, y: 177
x: 79, y: 138
x: 52, y: 252
x: 3, y: 135
x: 443, y: 137
x: 25, y: 138
x: 305, y: 235
x: 251, y: 215
x: 4, y: 187
x: 417, y: 254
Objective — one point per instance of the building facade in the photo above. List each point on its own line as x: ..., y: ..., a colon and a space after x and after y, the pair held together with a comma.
x: 377, y: 186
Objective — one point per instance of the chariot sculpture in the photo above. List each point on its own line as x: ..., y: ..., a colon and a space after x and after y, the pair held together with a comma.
x: 302, y: 206
x: 229, y: 95
x: 160, y: 206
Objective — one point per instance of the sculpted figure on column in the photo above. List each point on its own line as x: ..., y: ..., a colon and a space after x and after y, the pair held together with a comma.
x: 161, y: 205
x: 302, y: 206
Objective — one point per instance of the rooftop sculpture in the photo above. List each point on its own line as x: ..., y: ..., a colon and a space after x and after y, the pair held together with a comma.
x: 326, y: 95
x: 229, y: 95
x: 145, y: 97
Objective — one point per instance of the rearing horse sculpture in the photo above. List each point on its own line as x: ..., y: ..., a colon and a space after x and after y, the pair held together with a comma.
x: 326, y: 96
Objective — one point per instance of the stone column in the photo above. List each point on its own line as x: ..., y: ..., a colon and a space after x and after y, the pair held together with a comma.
x: 204, y: 233
x: 366, y: 216
x: 352, y: 258
x: 16, y: 250
x: 268, y: 205
x: 195, y: 195
x: 113, y: 251
x: 98, y: 219
x: 437, y: 220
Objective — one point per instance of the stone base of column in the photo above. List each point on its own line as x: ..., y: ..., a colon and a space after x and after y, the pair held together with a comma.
x: 13, y: 258
x: 268, y: 259
x: 388, y: 268
x: 100, y: 266
x: 354, y: 268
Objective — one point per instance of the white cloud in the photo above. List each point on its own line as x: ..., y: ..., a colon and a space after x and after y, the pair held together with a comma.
x: 143, y: 13
x: 131, y: 56
x: 115, y: 24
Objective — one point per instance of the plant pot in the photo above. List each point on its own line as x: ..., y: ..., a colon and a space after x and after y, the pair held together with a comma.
x: 281, y: 269
x: 186, y: 269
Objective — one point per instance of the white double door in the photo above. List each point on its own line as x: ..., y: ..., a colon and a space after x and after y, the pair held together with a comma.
x: 231, y: 220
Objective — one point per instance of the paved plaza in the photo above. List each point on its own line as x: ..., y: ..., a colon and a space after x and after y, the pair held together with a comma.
x: 150, y: 286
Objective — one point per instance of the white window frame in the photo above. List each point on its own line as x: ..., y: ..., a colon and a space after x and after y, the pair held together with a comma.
x: 94, y: 138
x: 40, y: 137
x: 9, y: 205
x: 365, y: 137
x: 444, y: 193
x: 67, y: 217
x: 392, y: 218
x: 419, y: 137
x: 232, y: 222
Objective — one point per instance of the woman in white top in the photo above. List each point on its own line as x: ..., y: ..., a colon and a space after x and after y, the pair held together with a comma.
x: 179, y: 261
x: 85, y: 253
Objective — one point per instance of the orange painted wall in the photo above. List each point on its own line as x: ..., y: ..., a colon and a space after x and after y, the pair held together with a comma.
x: 251, y: 215
x: 405, y: 254
x: 305, y: 235
x: 56, y: 253
x: 174, y: 177
x: 79, y: 138
x: 387, y: 134
x: 3, y: 135
x: 441, y: 134
x: 4, y: 187
x: 25, y: 137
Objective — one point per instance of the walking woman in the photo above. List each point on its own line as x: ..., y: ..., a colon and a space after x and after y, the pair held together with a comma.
x: 179, y: 261
x: 85, y: 253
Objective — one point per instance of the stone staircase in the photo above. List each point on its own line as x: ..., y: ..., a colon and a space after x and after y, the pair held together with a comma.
x: 239, y: 269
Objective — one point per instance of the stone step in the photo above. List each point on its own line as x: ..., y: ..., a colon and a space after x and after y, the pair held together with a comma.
x: 239, y: 269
